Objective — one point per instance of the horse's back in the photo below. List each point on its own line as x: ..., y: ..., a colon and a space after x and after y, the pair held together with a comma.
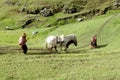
x: 50, y: 39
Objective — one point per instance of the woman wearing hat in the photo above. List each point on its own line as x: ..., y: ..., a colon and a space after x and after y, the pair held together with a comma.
x: 94, y: 42
x: 22, y: 43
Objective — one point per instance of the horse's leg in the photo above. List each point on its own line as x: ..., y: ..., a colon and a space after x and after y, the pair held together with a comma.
x: 56, y: 49
x: 60, y: 49
x: 66, y: 49
x: 50, y: 50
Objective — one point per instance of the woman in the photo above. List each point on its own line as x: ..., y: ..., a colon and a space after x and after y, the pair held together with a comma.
x: 94, y: 41
x: 22, y: 43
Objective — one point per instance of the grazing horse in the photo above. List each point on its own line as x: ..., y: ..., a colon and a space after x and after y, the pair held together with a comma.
x: 53, y: 42
x: 67, y: 40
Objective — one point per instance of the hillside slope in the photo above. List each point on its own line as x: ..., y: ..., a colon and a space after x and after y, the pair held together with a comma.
x: 105, y: 26
x: 16, y: 14
x: 80, y: 63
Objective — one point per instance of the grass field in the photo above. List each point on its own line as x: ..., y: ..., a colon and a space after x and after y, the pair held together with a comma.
x: 80, y: 63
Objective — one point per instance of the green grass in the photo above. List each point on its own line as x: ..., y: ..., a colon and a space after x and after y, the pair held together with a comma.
x: 80, y: 63
x: 72, y: 66
x: 11, y: 15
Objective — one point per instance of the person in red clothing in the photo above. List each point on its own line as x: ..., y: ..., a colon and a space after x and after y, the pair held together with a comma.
x: 22, y: 43
x: 94, y: 42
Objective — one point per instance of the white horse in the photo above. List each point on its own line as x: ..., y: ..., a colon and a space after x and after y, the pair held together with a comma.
x: 53, y: 42
x: 67, y: 41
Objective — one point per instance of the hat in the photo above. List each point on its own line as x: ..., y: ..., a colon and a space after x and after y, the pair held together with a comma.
x: 24, y: 34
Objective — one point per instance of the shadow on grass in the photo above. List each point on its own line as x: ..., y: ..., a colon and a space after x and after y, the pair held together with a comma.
x: 2, y: 53
x: 41, y: 52
x: 47, y: 52
x: 36, y: 51
x: 78, y: 51
x: 100, y: 46
x: 31, y: 51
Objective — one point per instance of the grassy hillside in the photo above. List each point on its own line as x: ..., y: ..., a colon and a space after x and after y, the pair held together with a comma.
x: 81, y: 63
x: 13, y: 15
x: 107, y: 32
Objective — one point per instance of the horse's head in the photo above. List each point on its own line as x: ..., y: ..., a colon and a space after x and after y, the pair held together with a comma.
x: 75, y: 42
